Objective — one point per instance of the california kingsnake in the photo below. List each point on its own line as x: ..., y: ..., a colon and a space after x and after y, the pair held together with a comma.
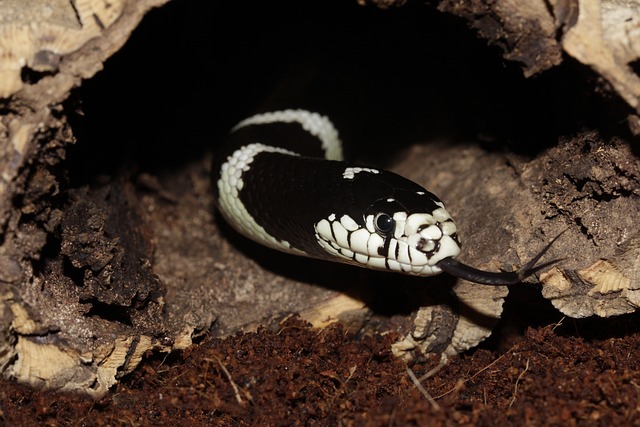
x: 279, y: 180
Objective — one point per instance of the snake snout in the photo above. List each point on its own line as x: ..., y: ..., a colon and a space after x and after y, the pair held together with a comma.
x: 437, y: 241
x: 428, y: 239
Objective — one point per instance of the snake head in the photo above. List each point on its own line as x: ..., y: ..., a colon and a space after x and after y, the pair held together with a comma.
x: 395, y: 225
x: 408, y: 231
x: 413, y: 242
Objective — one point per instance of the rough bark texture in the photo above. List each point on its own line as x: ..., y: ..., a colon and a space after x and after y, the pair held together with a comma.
x: 79, y: 302
x: 525, y: 32
x: 601, y: 34
x: 111, y: 250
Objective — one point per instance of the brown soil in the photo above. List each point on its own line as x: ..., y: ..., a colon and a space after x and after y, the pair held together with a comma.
x: 561, y: 374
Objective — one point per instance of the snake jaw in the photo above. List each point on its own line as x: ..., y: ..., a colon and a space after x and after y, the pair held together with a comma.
x: 364, y: 245
x: 414, y: 244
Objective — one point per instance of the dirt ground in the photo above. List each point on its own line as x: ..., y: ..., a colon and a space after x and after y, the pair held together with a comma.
x: 568, y: 373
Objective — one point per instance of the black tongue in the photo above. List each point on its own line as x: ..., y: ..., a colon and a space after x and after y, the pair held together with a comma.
x: 491, y: 278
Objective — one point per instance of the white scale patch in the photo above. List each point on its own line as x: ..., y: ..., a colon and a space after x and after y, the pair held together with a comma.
x: 350, y: 173
x: 230, y: 183
x: 411, y: 249
x: 229, y: 186
x: 317, y: 125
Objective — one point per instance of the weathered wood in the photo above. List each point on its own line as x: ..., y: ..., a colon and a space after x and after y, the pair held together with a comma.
x: 93, y: 277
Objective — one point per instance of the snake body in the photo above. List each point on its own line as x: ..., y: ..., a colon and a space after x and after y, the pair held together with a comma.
x: 279, y: 179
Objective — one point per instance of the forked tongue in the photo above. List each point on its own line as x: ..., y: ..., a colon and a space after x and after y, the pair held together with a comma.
x: 463, y: 271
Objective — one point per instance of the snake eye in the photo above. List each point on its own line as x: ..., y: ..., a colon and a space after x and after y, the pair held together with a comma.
x: 384, y: 223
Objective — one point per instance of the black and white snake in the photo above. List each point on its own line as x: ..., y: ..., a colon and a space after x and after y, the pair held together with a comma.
x: 279, y: 179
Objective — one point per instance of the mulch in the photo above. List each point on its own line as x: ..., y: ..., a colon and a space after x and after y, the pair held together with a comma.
x: 568, y: 373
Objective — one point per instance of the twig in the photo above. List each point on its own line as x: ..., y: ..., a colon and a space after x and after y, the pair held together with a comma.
x: 424, y: 392
x: 236, y: 390
x: 515, y: 389
x: 457, y: 386
x: 559, y: 323
x: 434, y: 370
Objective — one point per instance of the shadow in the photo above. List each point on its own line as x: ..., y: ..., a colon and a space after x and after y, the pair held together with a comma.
x: 388, y: 78
x: 386, y: 294
x: 594, y: 329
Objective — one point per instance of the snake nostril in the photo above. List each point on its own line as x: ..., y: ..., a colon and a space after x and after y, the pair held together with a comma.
x: 426, y: 245
x: 455, y: 238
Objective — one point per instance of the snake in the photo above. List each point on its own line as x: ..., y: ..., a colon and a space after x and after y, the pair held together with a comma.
x: 280, y: 179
